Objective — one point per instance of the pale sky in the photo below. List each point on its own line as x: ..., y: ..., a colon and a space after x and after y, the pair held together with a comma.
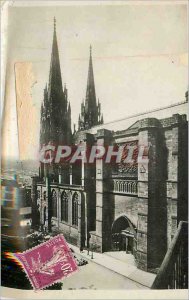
x: 139, y: 58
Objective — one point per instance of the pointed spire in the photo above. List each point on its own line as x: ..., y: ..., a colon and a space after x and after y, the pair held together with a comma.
x: 54, y: 24
x: 65, y: 92
x: 69, y: 107
x: 90, y: 109
x: 55, y: 78
x: 55, y: 124
x: 90, y: 101
x: 45, y: 96
x: 57, y: 98
x: 69, y: 118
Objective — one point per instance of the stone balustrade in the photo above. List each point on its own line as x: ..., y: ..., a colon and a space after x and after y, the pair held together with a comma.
x: 125, y: 186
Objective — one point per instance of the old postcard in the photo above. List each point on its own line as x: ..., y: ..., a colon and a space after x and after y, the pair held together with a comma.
x: 94, y: 149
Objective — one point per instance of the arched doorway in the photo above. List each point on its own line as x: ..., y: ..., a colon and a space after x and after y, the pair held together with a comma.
x: 123, y: 235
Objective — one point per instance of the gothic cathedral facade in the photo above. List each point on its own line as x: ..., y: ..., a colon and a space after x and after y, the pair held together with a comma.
x: 131, y: 208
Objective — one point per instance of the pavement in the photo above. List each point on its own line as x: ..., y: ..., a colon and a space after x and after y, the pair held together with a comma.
x: 123, y: 268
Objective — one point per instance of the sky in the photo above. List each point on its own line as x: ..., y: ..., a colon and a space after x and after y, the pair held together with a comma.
x: 139, y: 60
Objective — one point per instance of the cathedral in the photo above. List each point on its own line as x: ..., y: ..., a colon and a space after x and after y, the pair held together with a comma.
x: 135, y: 207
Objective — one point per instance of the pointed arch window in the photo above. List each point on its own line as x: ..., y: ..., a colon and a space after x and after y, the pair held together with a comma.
x: 64, y: 207
x: 54, y: 204
x: 75, y: 209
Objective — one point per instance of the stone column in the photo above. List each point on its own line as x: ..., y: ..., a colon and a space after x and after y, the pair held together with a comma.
x: 58, y: 208
x: 88, y: 182
x: 41, y: 208
x: 41, y: 170
x: 102, y: 237
x: 177, y: 180
x: 49, y: 201
x: 151, y: 227
x: 60, y: 178
x: 70, y: 195
x: 182, y: 214
x: 81, y: 219
x: 70, y: 174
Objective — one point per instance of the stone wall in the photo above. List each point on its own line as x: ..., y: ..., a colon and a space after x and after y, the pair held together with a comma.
x: 156, y: 210
x: 73, y: 234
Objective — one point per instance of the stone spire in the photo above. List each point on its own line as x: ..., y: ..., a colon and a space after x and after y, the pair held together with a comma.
x: 90, y: 101
x: 55, y: 79
x: 55, y: 124
x: 57, y: 98
x: 90, y: 111
x: 69, y: 121
x: 44, y: 121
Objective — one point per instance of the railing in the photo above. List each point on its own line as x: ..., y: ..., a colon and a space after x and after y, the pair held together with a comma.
x: 173, y: 273
x: 68, y: 186
x: 63, y: 186
x: 123, y: 186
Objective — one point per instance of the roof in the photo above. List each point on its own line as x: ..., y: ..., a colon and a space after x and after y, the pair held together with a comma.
x: 128, y: 121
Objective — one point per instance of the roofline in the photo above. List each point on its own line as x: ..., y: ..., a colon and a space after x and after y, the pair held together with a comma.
x: 143, y: 113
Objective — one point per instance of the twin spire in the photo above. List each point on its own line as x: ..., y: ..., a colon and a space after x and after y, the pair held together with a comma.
x: 55, y: 109
x: 90, y: 111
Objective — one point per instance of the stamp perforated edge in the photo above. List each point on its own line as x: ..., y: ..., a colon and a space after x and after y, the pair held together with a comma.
x: 38, y: 246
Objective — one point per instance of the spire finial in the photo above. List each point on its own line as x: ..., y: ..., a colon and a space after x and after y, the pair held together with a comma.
x: 90, y: 50
x: 54, y: 23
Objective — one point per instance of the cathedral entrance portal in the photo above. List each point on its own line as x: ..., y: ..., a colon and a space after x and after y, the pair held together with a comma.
x: 123, y: 235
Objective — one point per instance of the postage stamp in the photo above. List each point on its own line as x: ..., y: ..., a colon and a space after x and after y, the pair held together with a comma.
x: 48, y: 263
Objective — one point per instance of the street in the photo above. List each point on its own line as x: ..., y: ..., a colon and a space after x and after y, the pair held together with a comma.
x: 96, y: 277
